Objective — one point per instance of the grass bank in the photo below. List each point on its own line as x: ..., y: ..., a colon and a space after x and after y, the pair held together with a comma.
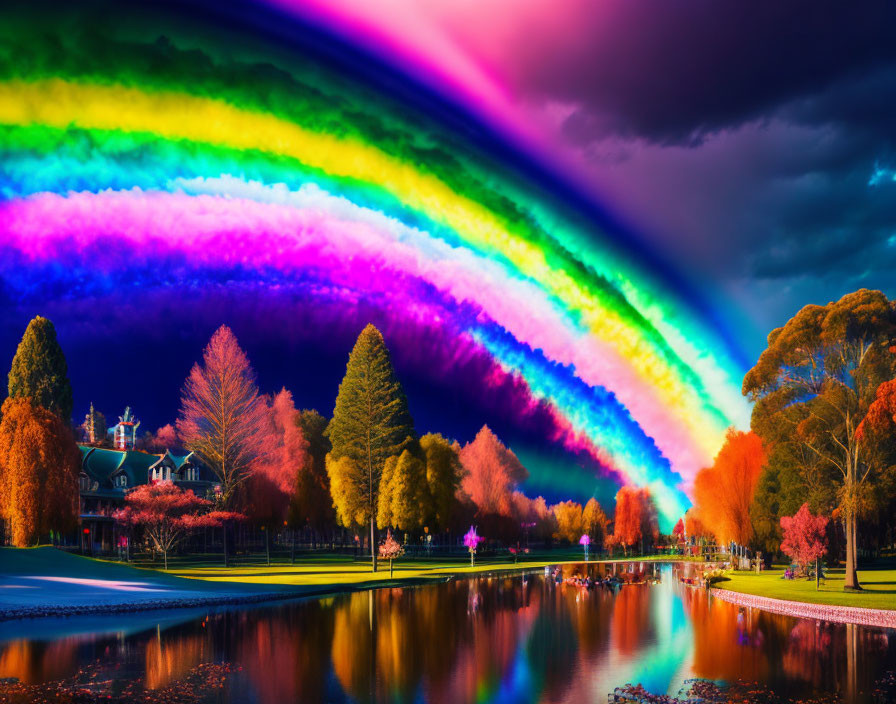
x: 317, y: 569
x: 879, y: 587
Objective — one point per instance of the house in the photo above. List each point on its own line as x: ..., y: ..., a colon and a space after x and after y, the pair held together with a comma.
x: 107, y: 475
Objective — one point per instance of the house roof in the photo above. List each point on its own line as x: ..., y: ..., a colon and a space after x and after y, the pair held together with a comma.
x: 136, y: 466
x: 101, y: 465
x: 176, y: 460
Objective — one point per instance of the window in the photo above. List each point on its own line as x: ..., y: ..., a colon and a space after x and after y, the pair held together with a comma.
x: 121, y: 480
x: 83, y: 482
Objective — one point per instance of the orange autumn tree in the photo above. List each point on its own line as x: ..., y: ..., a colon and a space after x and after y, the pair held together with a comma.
x: 39, y: 466
x: 693, y: 526
x: 491, y: 473
x: 723, y: 492
x: 635, y: 520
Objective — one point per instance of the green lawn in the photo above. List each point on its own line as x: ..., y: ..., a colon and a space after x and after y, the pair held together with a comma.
x: 321, y: 569
x: 879, y: 587
x: 338, y: 569
x: 47, y: 562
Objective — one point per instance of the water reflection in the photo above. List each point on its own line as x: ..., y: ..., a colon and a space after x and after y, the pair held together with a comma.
x: 489, y: 639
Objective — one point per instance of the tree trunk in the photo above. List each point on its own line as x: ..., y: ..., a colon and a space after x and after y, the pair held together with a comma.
x: 372, y: 542
x: 851, y: 577
x: 224, y: 532
x: 267, y: 546
x: 165, y: 555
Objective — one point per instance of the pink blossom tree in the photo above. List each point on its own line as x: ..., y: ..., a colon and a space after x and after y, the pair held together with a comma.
x: 804, y: 536
x: 167, y: 514
x: 585, y: 541
x: 472, y: 540
x: 390, y: 549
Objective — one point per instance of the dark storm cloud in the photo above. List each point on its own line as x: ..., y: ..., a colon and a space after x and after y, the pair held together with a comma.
x: 672, y: 72
x: 741, y: 137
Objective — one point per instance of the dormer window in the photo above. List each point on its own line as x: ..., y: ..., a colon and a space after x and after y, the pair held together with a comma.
x: 121, y: 480
x: 83, y: 482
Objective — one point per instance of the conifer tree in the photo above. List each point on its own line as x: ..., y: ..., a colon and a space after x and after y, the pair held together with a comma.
x: 39, y: 371
x: 371, y: 423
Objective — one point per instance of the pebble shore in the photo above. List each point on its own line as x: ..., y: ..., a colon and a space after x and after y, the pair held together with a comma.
x: 880, y: 618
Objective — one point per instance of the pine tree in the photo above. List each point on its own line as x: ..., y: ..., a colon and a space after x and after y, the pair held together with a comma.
x: 371, y: 423
x: 39, y: 466
x: 39, y: 371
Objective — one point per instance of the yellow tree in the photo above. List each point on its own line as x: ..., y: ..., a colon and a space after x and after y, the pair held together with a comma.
x: 443, y: 477
x: 594, y: 521
x: 404, y: 500
x: 569, y: 521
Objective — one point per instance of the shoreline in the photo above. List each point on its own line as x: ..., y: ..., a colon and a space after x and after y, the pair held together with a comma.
x: 213, y: 590
x: 855, y: 615
x: 249, y: 597
x: 136, y: 606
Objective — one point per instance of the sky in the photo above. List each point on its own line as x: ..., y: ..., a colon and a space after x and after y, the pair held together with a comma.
x: 753, y: 145
x: 573, y: 221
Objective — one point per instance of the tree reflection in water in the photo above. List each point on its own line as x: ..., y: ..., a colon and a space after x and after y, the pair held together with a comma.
x: 487, y: 639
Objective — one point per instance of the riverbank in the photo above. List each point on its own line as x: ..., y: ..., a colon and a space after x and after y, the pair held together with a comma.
x: 881, y: 618
x: 44, y: 581
x: 878, y: 588
x: 768, y: 590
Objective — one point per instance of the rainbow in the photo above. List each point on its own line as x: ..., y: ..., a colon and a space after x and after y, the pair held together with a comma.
x: 268, y: 170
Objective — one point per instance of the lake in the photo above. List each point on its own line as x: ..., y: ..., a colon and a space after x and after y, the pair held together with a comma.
x: 500, y: 638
